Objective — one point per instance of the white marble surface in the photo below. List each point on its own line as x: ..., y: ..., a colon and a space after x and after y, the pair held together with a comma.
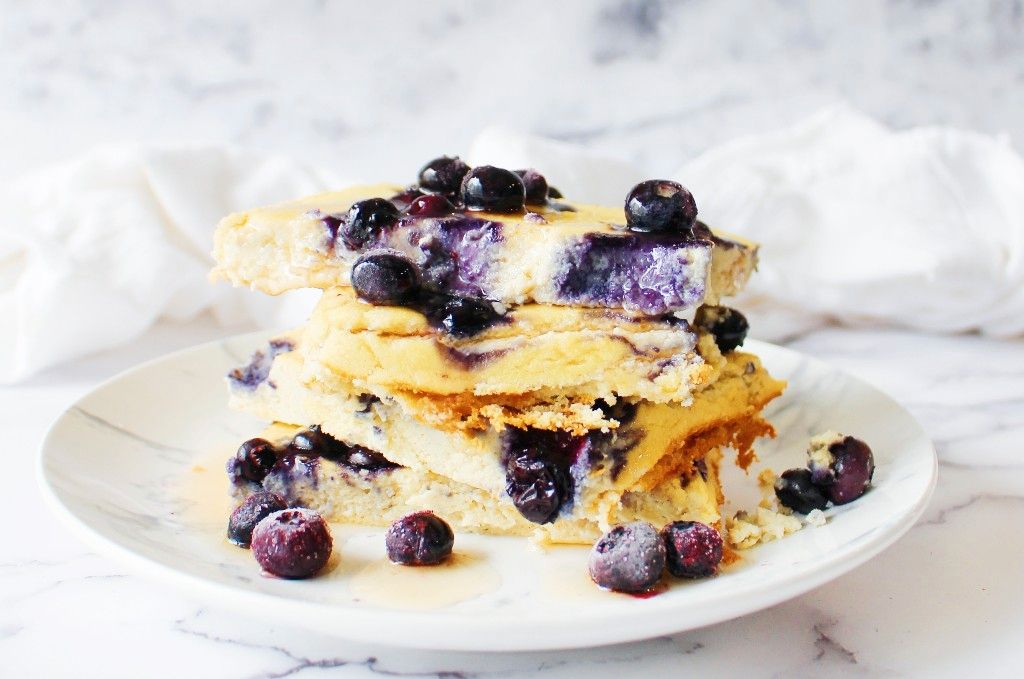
x: 371, y: 93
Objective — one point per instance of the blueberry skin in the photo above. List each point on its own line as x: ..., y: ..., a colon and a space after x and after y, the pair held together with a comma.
x: 660, y: 206
x: 292, y: 543
x: 365, y: 220
x: 795, y: 490
x: 430, y: 206
x: 385, y: 279
x: 443, y: 175
x: 692, y: 549
x: 254, y: 509
x: 535, y: 186
x: 253, y: 461
x: 536, y: 487
x: 728, y: 326
x: 629, y: 558
x: 493, y: 189
x: 853, y: 467
x: 419, y: 539
x: 461, y: 316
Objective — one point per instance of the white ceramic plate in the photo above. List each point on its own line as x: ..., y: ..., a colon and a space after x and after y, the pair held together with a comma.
x: 124, y: 465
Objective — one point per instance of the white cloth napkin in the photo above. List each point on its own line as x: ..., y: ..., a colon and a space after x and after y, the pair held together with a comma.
x: 922, y: 228
x: 93, y: 251
x: 858, y: 223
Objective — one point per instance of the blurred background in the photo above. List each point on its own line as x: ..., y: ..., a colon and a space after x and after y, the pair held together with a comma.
x: 378, y: 87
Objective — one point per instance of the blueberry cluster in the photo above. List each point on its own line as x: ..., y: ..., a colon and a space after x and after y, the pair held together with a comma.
x: 389, y: 278
x: 841, y: 474
x: 257, y: 457
x: 446, y: 186
x: 631, y: 558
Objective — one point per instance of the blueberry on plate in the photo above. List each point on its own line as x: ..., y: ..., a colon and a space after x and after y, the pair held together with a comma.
x: 384, y: 278
x: 628, y: 558
x: 692, y: 549
x: 443, y: 175
x: 431, y: 205
x: 292, y: 543
x: 462, y: 316
x: 795, y: 490
x: 728, y: 326
x: 660, y: 206
x: 253, y: 509
x: 853, y: 466
x: 535, y: 186
x: 419, y: 539
x: 493, y: 189
x: 365, y: 220
x: 253, y: 461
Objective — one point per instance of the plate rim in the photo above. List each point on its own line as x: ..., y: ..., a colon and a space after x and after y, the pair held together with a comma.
x: 653, y: 623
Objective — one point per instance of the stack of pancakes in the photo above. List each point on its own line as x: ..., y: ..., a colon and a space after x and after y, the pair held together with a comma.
x: 581, y: 408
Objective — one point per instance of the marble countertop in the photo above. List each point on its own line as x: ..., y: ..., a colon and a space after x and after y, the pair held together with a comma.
x: 945, y: 600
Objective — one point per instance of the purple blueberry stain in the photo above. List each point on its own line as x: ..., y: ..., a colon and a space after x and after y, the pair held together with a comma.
x: 292, y: 543
x: 257, y: 370
x: 651, y: 274
x: 629, y: 558
x: 253, y: 509
x: 419, y: 539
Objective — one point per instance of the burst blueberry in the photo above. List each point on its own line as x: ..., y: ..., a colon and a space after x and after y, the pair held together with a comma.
x: 728, y: 326
x: 443, y: 175
x: 660, y: 206
x: 365, y: 221
x: 692, y: 549
x: 292, y: 543
x: 384, y: 278
x: 535, y: 186
x: 796, y: 490
x: 419, y: 539
x: 493, y: 189
x: 253, y: 509
x: 252, y: 461
x: 628, y: 558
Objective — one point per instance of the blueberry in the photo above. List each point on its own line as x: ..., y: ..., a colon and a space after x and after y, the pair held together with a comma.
x: 384, y: 278
x: 536, y: 486
x: 253, y: 460
x: 853, y: 467
x: 292, y: 543
x: 443, y: 175
x: 365, y: 220
x: 462, y: 316
x: 310, y: 441
x: 796, y: 491
x: 492, y: 189
x: 404, y: 199
x: 254, y: 509
x: 430, y: 206
x: 692, y: 549
x: 658, y: 206
x: 628, y: 558
x: 419, y: 539
x: 728, y: 326
x: 554, y: 193
x: 535, y: 186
